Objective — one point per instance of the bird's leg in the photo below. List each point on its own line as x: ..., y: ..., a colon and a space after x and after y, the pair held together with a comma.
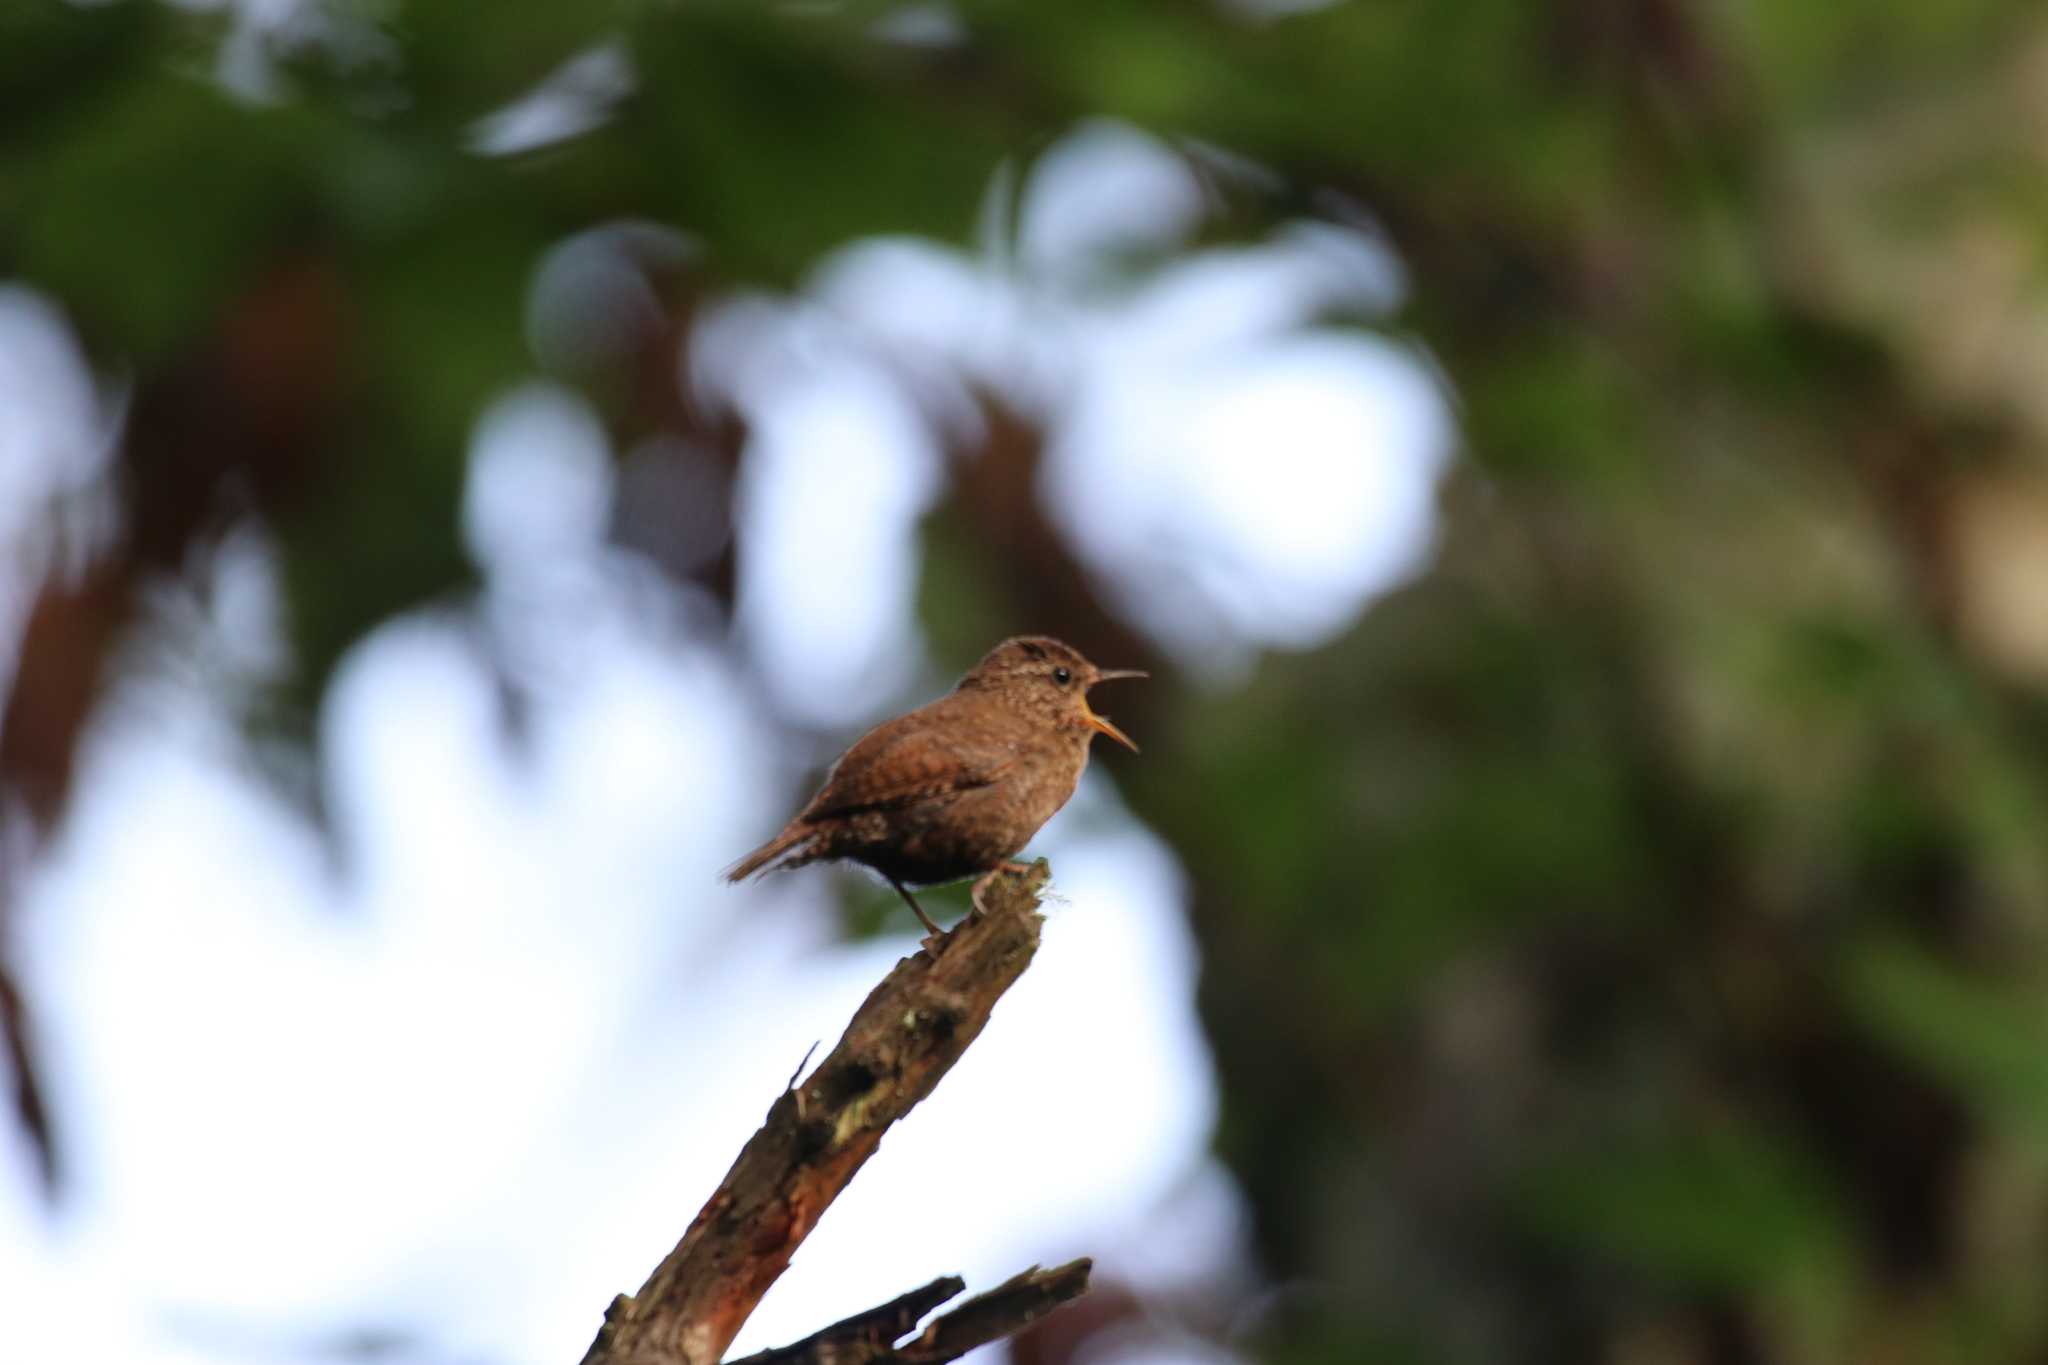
x: 936, y: 936
x: 981, y: 884
x: 1012, y: 865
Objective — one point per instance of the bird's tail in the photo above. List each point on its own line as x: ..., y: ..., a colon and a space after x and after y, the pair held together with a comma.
x: 795, y: 845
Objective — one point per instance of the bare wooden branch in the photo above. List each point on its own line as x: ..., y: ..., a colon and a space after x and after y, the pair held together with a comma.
x: 1008, y: 1308
x: 907, y: 1035
x: 868, y: 1338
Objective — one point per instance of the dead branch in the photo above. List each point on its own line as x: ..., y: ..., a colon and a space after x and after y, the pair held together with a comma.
x: 868, y: 1338
x: 907, y: 1035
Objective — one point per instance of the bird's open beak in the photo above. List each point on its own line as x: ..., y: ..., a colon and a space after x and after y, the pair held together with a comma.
x: 1097, y: 723
x: 1102, y: 726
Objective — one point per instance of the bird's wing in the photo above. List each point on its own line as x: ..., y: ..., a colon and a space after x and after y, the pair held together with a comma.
x: 898, y: 763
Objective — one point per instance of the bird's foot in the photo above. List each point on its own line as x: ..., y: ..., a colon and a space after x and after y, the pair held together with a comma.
x: 981, y: 885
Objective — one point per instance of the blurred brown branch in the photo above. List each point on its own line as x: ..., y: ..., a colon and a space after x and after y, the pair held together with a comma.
x: 905, y: 1036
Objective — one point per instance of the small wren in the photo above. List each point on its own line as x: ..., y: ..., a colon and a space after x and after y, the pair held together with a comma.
x: 957, y: 787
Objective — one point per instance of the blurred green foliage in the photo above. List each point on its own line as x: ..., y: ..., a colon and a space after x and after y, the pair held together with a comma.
x: 1628, y: 943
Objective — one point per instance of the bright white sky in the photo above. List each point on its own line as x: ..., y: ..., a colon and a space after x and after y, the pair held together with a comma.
x: 467, y: 1076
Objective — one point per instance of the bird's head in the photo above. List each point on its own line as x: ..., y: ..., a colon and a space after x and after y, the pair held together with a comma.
x: 1046, y: 677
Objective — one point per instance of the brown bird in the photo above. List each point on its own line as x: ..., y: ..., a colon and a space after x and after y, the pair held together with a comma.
x: 957, y: 787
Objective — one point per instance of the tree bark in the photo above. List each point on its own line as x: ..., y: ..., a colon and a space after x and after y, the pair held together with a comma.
x: 907, y: 1035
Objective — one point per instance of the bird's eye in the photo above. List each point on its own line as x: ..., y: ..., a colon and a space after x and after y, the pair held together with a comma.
x: 1062, y: 676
